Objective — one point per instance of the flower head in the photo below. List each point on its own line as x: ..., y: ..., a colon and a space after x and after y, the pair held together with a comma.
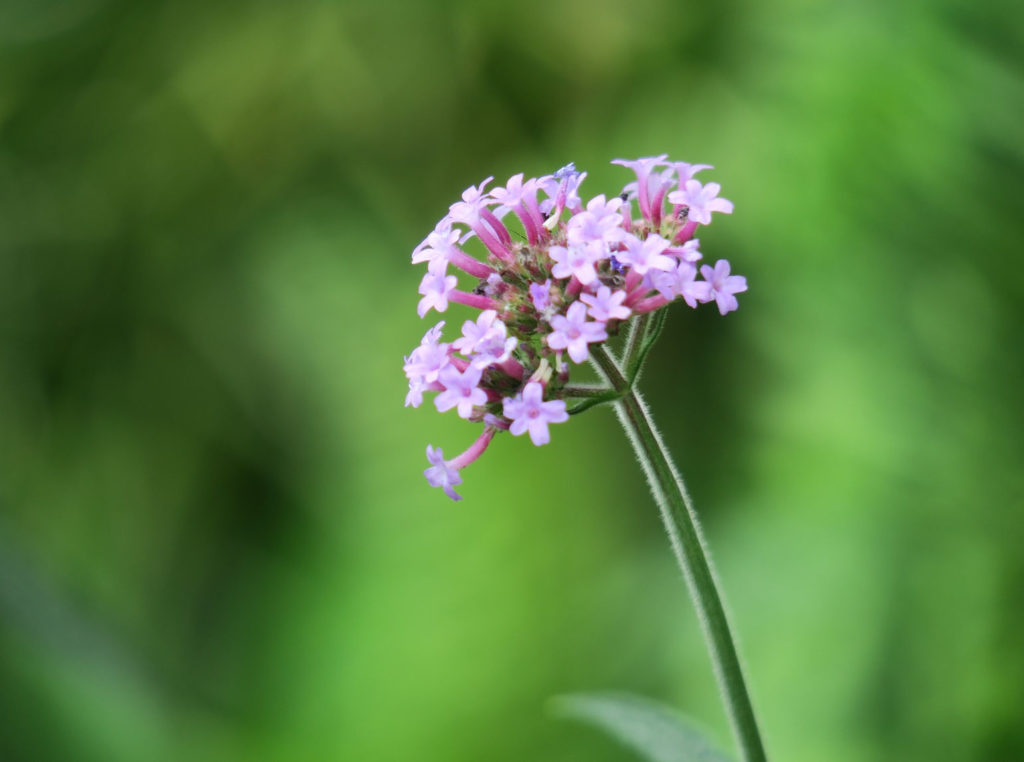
x: 560, y: 274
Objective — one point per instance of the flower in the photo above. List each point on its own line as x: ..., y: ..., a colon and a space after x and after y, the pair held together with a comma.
x: 606, y: 304
x: 702, y: 200
x: 529, y: 412
x: 540, y: 295
x: 486, y: 341
x: 645, y: 255
x: 559, y: 274
x: 577, y: 261
x: 601, y: 221
x: 461, y: 389
x: 436, y: 286
x: 723, y: 285
x: 573, y: 332
x: 440, y: 474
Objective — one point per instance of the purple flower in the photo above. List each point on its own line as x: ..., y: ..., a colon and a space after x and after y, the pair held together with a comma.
x: 438, y: 245
x: 441, y: 474
x: 512, y: 194
x: 602, y: 262
x: 573, y: 332
x: 473, y: 199
x: 702, y: 200
x: 540, y: 295
x: 723, y: 285
x: 682, y: 282
x: 601, y: 221
x: 645, y: 255
x: 688, y: 252
x: 529, y: 412
x: 424, y: 364
x: 487, y: 339
x: 606, y: 304
x: 435, y: 287
x: 461, y: 390
x: 685, y: 172
x: 578, y: 259
x: 643, y: 168
x: 563, y: 191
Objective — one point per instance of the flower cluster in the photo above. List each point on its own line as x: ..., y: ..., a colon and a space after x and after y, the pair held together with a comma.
x: 568, y: 275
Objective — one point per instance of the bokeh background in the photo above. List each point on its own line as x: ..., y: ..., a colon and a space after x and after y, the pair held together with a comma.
x: 216, y: 542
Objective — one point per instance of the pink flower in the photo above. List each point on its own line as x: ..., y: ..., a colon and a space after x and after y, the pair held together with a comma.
x: 682, y: 282
x: 424, y: 364
x: 606, y: 304
x: 723, y: 285
x: 441, y: 474
x: 487, y: 339
x: 578, y: 259
x: 702, y: 200
x: 645, y: 255
x: 473, y: 199
x: 688, y: 252
x: 438, y: 245
x: 435, y: 287
x: 461, y: 390
x: 540, y: 295
x: 573, y: 332
x: 685, y: 172
x: 529, y: 412
x: 601, y: 221
x: 643, y: 168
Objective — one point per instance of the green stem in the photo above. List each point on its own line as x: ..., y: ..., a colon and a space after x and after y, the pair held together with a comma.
x: 635, y: 340
x: 688, y: 544
x: 584, y: 390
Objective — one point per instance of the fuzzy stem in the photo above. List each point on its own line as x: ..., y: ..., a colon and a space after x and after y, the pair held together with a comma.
x: 691, y: 553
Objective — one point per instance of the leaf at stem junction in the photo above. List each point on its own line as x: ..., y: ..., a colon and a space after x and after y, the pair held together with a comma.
x: 656, y: 731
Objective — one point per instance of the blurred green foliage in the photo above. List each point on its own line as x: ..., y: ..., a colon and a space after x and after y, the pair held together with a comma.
x: 215, y: 539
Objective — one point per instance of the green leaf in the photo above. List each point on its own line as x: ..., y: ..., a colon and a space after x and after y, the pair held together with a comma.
x: 656, y: 731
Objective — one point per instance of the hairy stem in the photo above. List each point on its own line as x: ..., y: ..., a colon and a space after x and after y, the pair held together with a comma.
x: 690, y: 551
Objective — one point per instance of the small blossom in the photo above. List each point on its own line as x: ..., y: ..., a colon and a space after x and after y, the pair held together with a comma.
x: 487, y: 340
x: 685, y: 172
x: 512, y: 194
x: 601, y: 221
x: 577, y: 260
x: 681, y: 281
x: 435, y: 288
x: 441, y: 474
x: 573, y: 332
x: 688, y: 252
x: 723, y: 285
x: 702, y: 200
x: 473, y: 198
x: 643, y: 168
x: 529, y: 412
x: 540, y: 295
x: 461, y: 389
x: 424, y: 364
x: 606, y: 304
x: 440, y: 244
x: 563, y: 191
x: 645, y: 255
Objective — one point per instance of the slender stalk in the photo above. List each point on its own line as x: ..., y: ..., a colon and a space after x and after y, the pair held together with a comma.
x: 635, y: 339
x: 584, y: 390
x: 688, y: 544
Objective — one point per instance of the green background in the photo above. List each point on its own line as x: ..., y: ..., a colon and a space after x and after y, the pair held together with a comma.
x: 216, y: 542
